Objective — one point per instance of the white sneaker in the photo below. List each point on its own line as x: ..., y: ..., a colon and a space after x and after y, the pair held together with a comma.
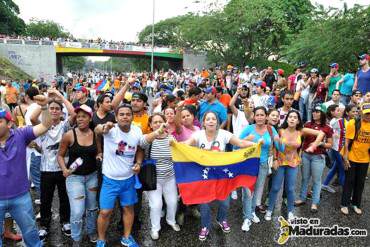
x: 290, y: 216
x: 246, y: 224
x: 38, y: 202
x: 66, y: 229
x: 234, y: 195
x: 175, y: 227
x: 42, y: 234
x: 154, y: 235
x: 255, y: 218
x: 38, y: 216
x: 268, y: 215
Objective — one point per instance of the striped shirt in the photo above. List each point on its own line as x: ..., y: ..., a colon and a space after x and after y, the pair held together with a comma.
x: 161, y: 153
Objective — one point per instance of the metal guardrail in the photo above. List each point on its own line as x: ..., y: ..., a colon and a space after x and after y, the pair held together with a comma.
x: 105, y: 46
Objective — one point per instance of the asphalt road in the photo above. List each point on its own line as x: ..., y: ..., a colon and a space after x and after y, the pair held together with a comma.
x: 261, y: 234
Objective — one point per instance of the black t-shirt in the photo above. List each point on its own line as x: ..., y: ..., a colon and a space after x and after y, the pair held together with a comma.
x: 108, y: 118
x: 270, y: 79
x: 89, y: 102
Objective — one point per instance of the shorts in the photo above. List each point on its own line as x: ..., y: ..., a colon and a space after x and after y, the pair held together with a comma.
x: 111, y: 189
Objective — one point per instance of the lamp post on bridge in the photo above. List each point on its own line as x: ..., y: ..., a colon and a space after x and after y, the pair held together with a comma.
x: 152, y: 58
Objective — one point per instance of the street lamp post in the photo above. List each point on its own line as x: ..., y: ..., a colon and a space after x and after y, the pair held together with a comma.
x: 152, y: 58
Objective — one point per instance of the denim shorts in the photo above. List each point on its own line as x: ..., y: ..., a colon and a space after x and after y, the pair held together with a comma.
x: 111, y: 189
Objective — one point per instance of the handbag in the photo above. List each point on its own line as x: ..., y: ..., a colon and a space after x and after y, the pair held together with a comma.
x: 148, y: 173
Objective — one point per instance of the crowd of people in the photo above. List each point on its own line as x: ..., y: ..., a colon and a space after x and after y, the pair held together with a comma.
x: 89, y: 144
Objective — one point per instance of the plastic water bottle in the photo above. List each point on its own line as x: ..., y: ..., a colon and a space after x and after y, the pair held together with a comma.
x: 76, y: 164
x: 138, y: 184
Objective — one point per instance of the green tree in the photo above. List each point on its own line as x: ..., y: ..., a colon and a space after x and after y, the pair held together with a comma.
x: 333, y: 36
x: 45, y: 28
x: 10, y: 23
x: 72, y: 63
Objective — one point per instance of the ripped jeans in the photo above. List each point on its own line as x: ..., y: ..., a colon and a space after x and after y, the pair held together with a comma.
x: 82, y: 192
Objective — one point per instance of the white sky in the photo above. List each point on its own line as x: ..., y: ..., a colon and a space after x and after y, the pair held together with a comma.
x: 118, y: 19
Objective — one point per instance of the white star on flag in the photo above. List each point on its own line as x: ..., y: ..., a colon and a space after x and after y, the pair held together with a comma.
x: 205, y: 176
x: 225, y: 170
x: 230, y: 174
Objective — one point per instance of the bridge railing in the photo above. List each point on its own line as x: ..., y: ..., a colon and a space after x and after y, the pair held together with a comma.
x: 105, y: 46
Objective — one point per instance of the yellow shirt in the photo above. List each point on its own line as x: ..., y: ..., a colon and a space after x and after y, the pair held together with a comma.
x: 360, y: 148
x: 142, y: 122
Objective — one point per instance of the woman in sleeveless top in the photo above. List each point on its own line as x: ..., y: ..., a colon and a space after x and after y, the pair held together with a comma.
x: 20, y: 111
x: 288, y: 159
x: 82, y: 183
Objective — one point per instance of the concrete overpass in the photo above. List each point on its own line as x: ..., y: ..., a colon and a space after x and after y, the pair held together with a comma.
x: 42, y: 59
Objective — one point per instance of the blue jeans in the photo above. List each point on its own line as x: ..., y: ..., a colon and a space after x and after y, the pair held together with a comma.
x: 247, y: 203
x: 302, y: 108
x: 337, y: 166
x: 289, y: 175
x: 35, y: 171
x: 313, y: 166
x: 260, y: 184
x: 205, y: 212
x: 82, y: 198
x: 20, y: 208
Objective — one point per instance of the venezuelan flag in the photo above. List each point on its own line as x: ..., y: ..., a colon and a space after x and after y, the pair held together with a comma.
x: 204, y: 176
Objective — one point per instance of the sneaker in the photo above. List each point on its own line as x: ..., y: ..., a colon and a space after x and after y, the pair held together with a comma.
x: 129, y: 242
x: 224, y: 226
x: 246, y: 224
x: 268, y: 215
x: 38, y: 216
x: 66, y: 229
x: 314, y: 208
x: 180, y: 219
x: 203, y: 234
x: 261, y: 209
x: 327, y: 188
x: 290, y: 216
x: 344, y: 210
x: 93, y: 238
x: 76, y: 244
x: 38, y: 202
x: 43, y: 234
x: 357, y: 210
x: 255, y: 218
x: 175, y: 227
x: 154, y: 235
x: 234, y: 195
x: 100, y: 243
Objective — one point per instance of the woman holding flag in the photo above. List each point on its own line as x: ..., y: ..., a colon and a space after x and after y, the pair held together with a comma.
x: 211, y: 137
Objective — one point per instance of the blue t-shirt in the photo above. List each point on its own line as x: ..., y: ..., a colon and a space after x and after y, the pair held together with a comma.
x: 363, y: 81
x: 215, y: 107
x: 347, y: 85
x: 251, y: 130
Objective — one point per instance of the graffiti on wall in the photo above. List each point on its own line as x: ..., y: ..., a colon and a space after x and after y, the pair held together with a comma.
x: 16, y: 58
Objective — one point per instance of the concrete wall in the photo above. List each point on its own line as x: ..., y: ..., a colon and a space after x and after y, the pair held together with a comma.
x: 38, y: 61
x: 192, y: 60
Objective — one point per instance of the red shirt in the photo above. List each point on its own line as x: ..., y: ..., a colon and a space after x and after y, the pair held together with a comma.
x: 310, y: 139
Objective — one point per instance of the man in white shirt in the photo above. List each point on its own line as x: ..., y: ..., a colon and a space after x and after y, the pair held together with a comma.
x: 335, y: 99
x: 121, y: 149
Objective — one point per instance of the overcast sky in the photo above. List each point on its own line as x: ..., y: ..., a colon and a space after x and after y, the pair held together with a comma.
x: 117, y: 19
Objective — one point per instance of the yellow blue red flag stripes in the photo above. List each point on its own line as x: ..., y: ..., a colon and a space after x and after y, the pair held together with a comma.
x: 204, y: 176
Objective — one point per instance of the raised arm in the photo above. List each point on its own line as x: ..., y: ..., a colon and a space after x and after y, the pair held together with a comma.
x: 232, y: 106
x: 240, y: 143
x: 178, y: 126
x: 120, y: 95
x: 355, y: 83
x: 46, y: 122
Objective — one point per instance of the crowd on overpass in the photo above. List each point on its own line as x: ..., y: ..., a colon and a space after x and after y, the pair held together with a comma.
x: 307, y: 122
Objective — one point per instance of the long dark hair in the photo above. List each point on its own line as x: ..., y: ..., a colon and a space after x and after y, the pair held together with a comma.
x: 322, y: 118
x: 330, y: 109
x: 300, y: 123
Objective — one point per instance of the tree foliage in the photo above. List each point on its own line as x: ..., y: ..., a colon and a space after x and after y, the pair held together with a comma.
x: 74, y: 63
x: 45, y: 28
x: 10, y: 23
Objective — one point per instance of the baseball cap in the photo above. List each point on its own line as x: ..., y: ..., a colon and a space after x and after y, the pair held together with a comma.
x: 80, y: 88
x: 210, y: 90
x: 354, y: 92
x: 84, y: 108
x: 334, y: 66
x: 5, y: 114
x: 280, y: 72
x: 318, y: 107
x: 140, y: 96
x: 365, y: 108
x: 314, y: 70
x: 261, y: 84
x: 136, y: 85
x: 101, y: 97
x: 364, y: 56
x: 246, y: 67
